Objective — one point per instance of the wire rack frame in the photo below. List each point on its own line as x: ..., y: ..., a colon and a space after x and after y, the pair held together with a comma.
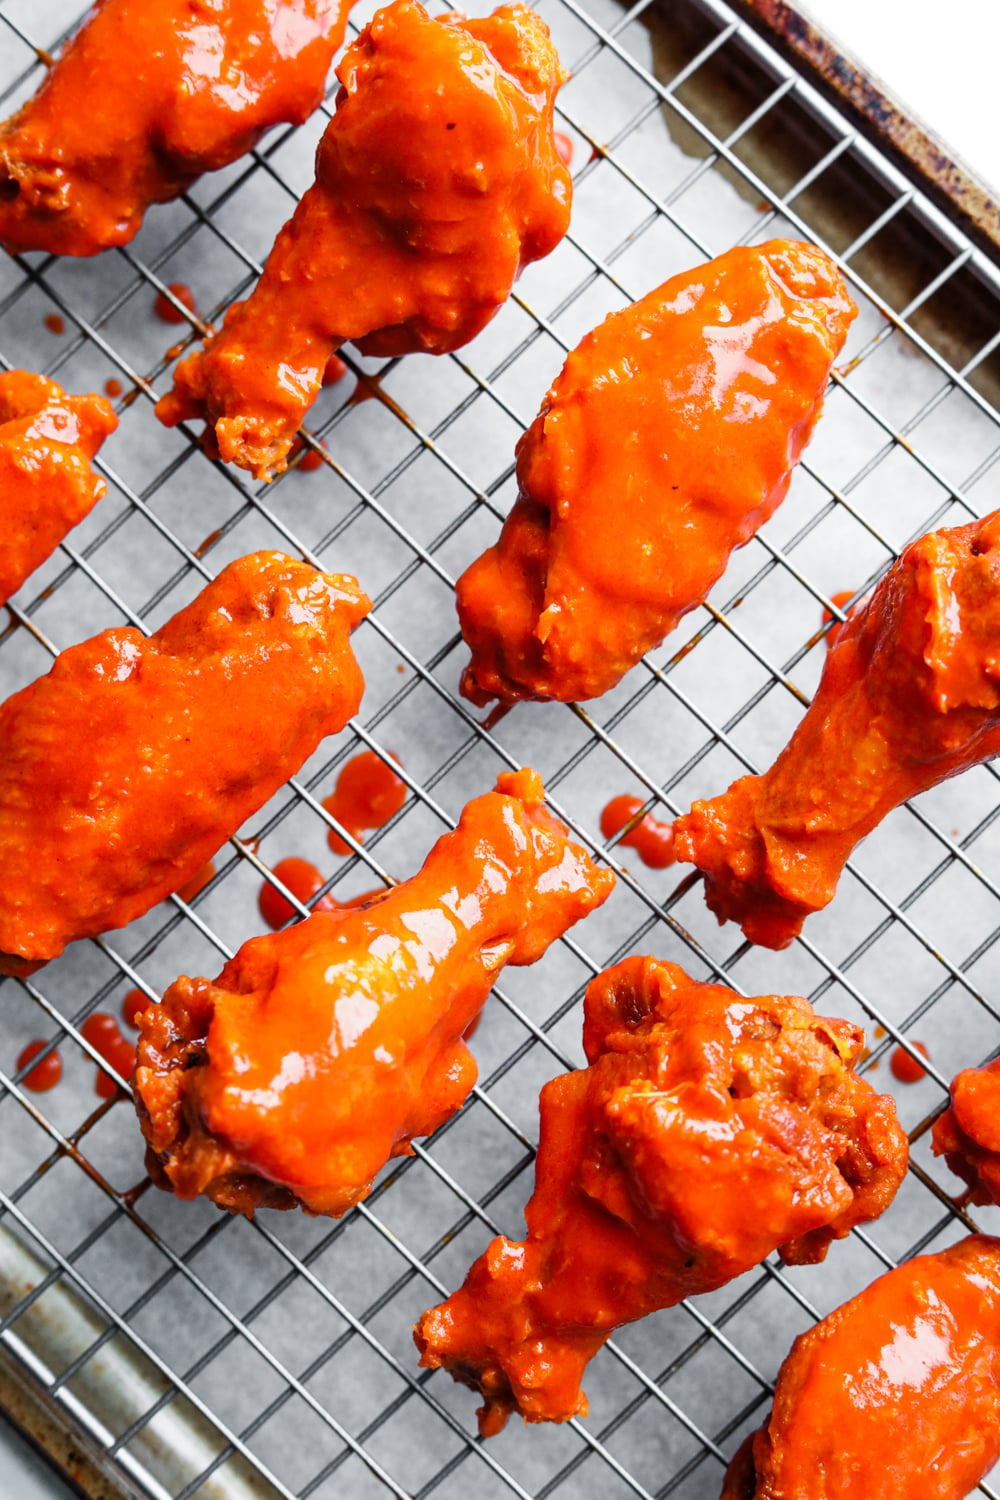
x: 602, y: 37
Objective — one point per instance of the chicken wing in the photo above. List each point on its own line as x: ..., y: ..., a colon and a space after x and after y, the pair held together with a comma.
x: 910, y: 695
x: 147, y: 96
x: 667, y: 440
x: 706, y: 1132
x: 47, y: 440
x: 967, y: 1135
x: 126, y: 767
x: 321, y: 1051
x: 895, y: 1394
x: 437, y: 181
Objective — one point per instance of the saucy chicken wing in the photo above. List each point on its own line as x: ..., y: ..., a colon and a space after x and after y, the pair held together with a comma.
x: 321, y: 1051
x: 910, y: 695
x: 126, y: 767
x: 47, y: 485
x: 437, y: 181
x: 667, y: 440
x: 896, y: 1394
x: 967, y: 1135
x: 706, y: 1132
x: 147, y: 96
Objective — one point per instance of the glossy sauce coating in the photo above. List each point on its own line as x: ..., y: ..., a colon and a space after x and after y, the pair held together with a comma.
x: 128, y: 765
x: 146, y: 97
x: 47, y: 485
x: 437, y: 181
x: 321, y: 1051
x: 652, y: 840
x: 896, y: 1394
x: 910, y: 695
x: 706, y: 1132
x: 967, y: 1135
x: 667, y: 440
x: 367, y: 794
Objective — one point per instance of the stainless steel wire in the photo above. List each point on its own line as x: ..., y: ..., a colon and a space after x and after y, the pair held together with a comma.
x: 286, y: 1342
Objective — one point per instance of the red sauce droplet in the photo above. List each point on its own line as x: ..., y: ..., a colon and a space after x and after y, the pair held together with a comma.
x: 364, y: 390
x: 906, y: 1068
x: 198, y: 881
x: 102, y: 1032
x: 54, y: 323
x: 564, y: 147
x: 113, y: 387
x: 209, y: 542
x: 366, y: 795
x: 302, y: 879
x: 334, y: 370
x: 310, y: 461
x: 652, y: 840
x: 44, y: 1075
x: 165, y: 309
x: 839, y: 599
x: 133, y: 1005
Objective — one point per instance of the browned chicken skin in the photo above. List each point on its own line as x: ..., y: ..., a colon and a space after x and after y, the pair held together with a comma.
x: 706, y: 1132
x: 910, y: 695
x: 894, y: 1396
x: 437, y: 181
x: 146, y: 97
x: 322, y: 1050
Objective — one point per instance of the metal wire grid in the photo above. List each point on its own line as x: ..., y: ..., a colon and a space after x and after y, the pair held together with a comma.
x: 670, y: 1399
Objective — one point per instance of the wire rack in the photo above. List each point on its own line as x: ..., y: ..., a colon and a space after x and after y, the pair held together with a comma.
x: 204, y: 1356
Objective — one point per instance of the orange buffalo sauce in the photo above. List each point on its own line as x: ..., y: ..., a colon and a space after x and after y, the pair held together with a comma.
x: 165, y: 309
x: 894, y: 1394
x: 45, y: 1074
x: 47, y: 484
x: 967, y: 1135
x: 437, y: 181
x: 652, y: 840
x: 907, y: 1069
x: 322, y: 1050
x: 101, y: 1030
x: 145, y: 97
x: 367, y: 794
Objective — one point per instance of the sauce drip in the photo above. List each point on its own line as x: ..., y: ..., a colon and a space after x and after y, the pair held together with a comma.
x: 165, y: 309
x: 311, y: 459
x: 334, y: 370
x: 198, y: 881
x: 44, y: 1075
x: 101, y: 1030
x: 652, y: 840
x: 54, y: 323
x: 303, y: 880
x: 840, y: 600
x: 564, y: 147
x: 133, y: 1005
x: 113, y: 387
x: 906, y: 1068
x: 366, y: 795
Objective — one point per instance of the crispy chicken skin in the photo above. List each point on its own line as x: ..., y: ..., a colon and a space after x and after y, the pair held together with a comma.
x: 667, y: 440
x: 126, y: 767
x: 321, y: 1051
x: 147, y: 96
x: 967, y: 1135
x: 706, y: 1132
x: 896, y: 1394
x: 910, y: 695
x: 47, y: 485
x: 437, y: 181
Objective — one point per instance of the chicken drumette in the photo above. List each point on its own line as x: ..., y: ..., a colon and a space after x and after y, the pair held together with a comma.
x: 667, y: 440
x: 47, y: 485
x: 895, y: 1394
x: 910, y: 695
x: 437, y: 181
x: 321, y: 1051
x: 967, y: 1135
x: 147, y: 96
x: 706, y: 1132
x: 126, y: 767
